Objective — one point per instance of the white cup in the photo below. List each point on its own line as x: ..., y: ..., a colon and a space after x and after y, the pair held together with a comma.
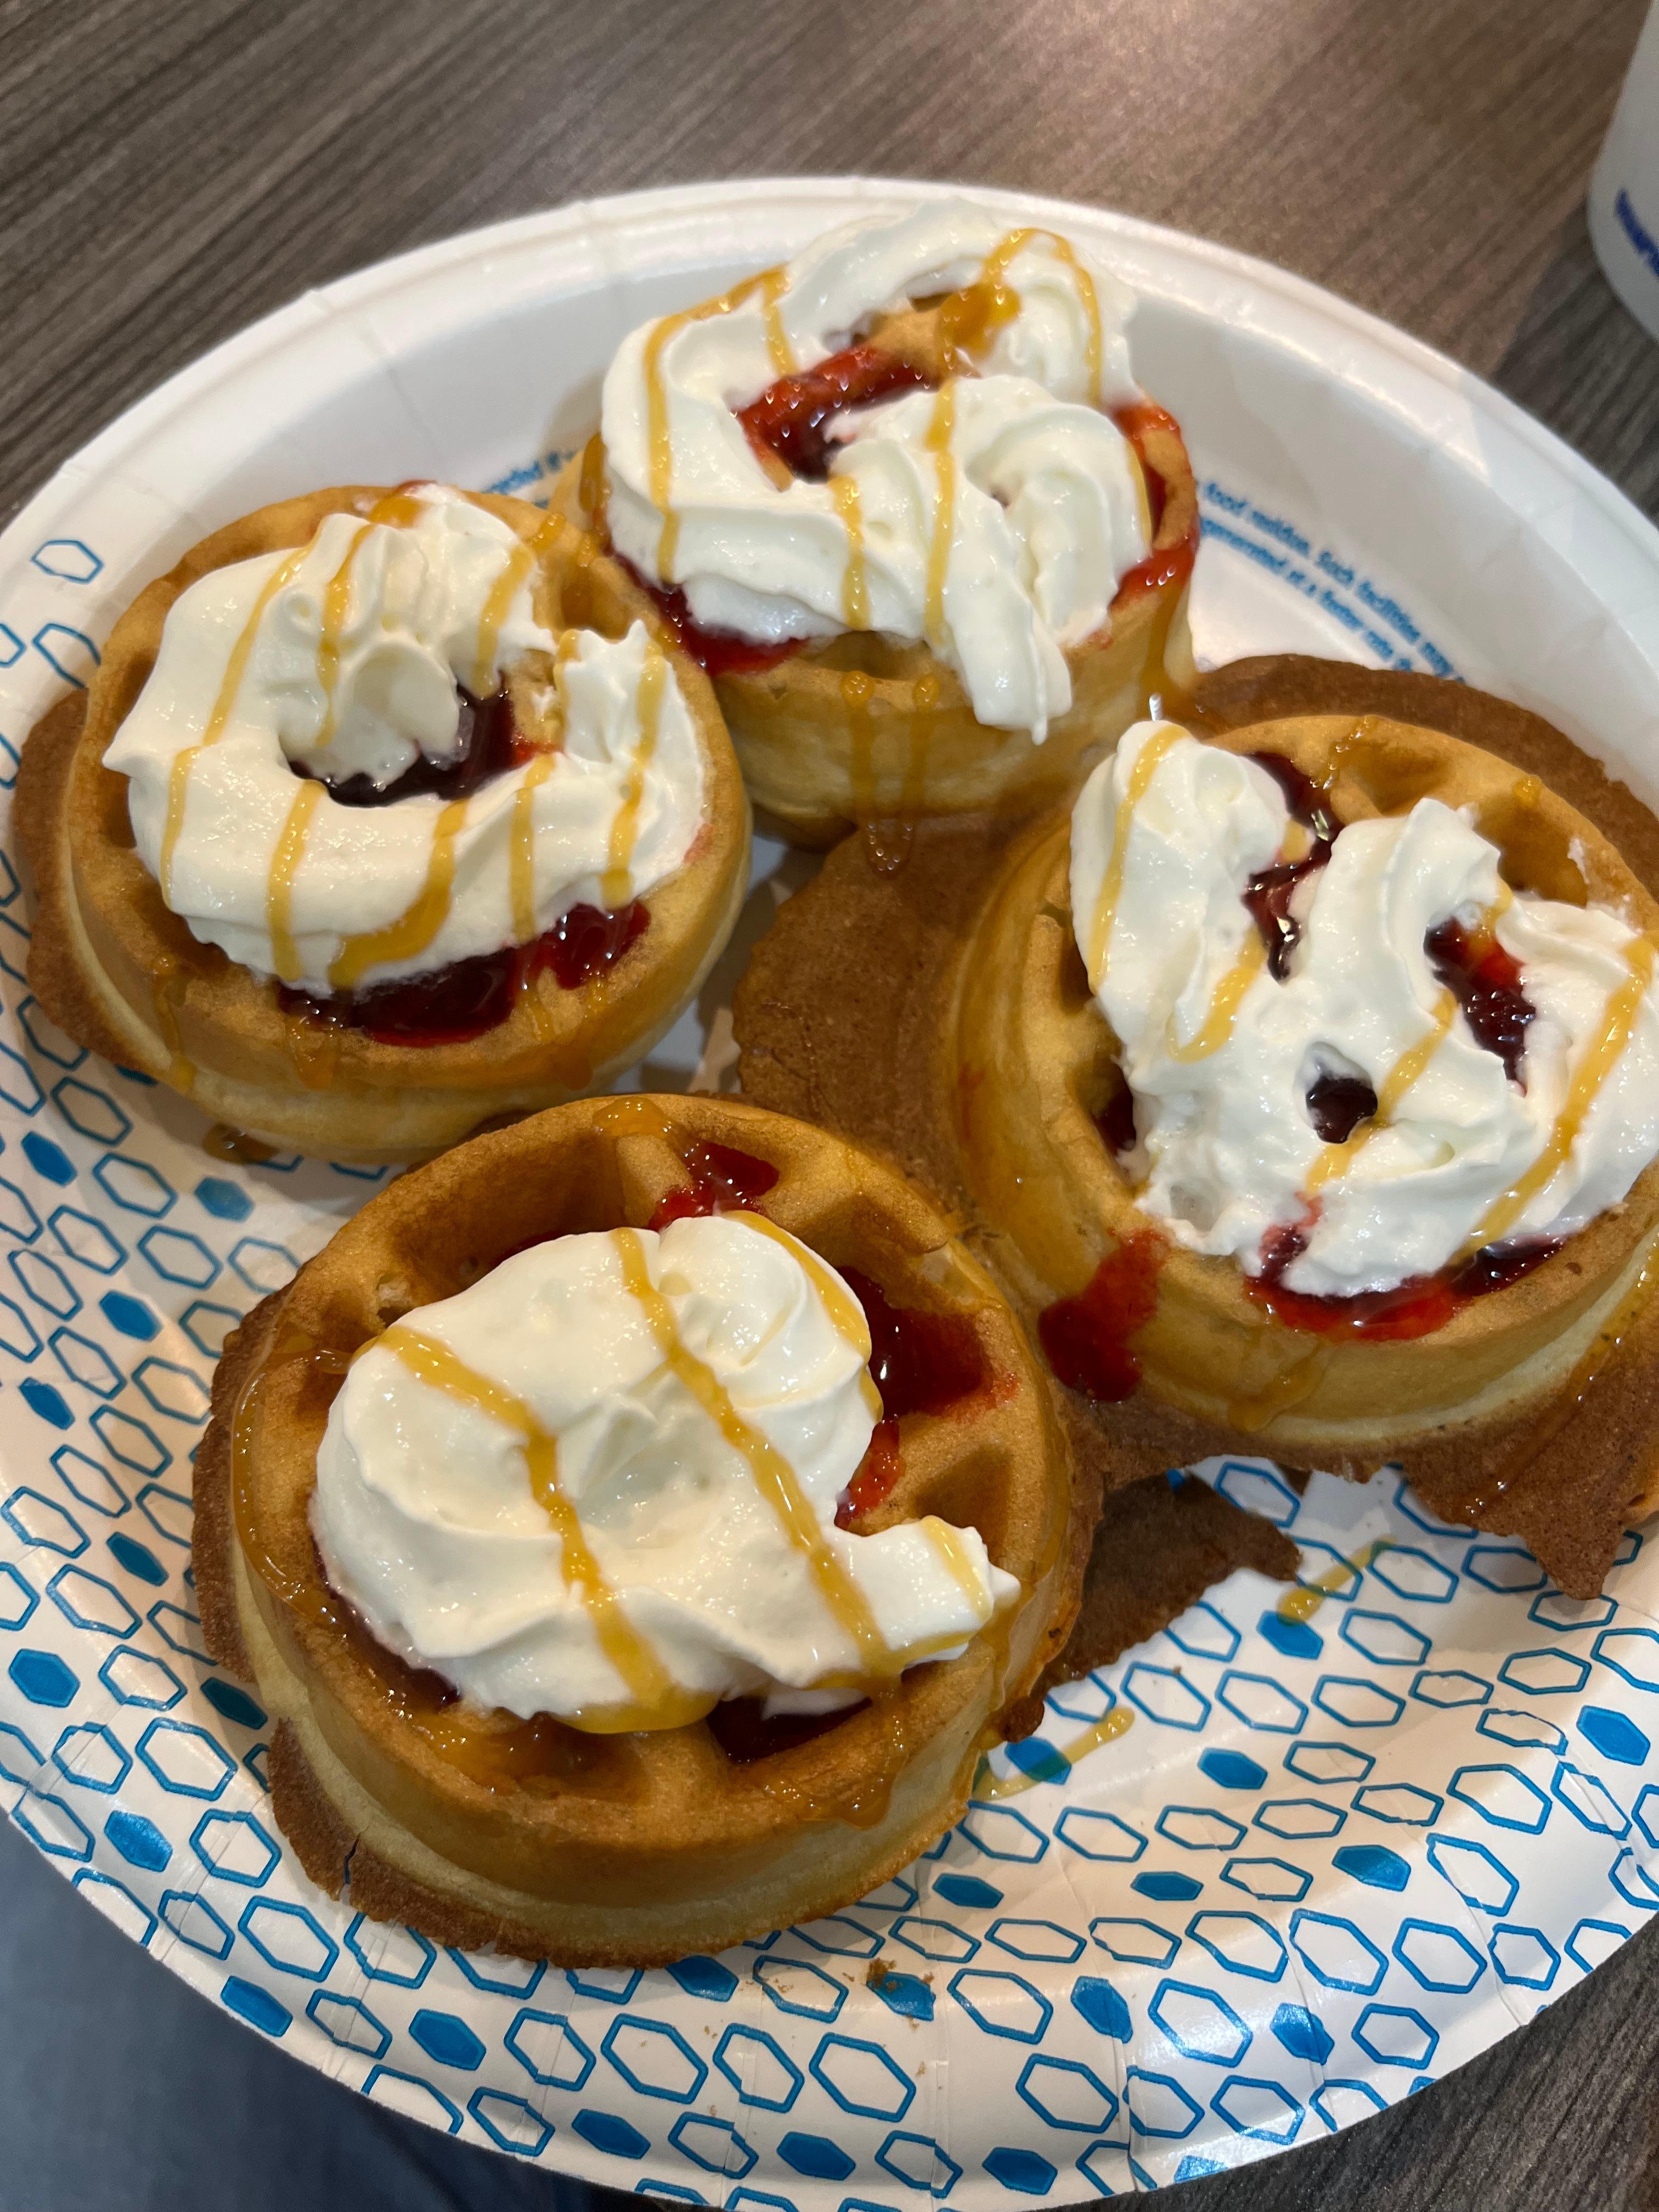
x: 1624, y: 193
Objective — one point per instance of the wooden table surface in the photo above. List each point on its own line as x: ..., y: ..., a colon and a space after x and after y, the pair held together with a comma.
x: 170, y: 169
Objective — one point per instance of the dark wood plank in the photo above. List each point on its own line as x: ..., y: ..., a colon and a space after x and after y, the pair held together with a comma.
x: 170, y: 169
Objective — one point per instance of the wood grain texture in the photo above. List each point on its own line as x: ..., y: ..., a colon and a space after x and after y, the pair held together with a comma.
x: 170, y: 169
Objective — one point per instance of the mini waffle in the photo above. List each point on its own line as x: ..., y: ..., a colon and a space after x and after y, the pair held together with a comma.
x: 863, y: 729
x: 616, y: 1850
x: 1494, y: 1416
x: 123, y: 973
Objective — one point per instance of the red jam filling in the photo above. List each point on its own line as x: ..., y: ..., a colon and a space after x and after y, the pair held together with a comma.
x: 468, y: 998
x: 791, y: 417
x: 1269, y: 891
x: 1116, y: 1121
x: 1486, y: 980
x: 1337, y: 1104
x: 791, y: 421
x: 922, y: 1362
x: 723, y: 1181
x: 489, y: 746
x: 744, y: 1732
x: 1416, y: 1307
x: 1086, y: 1338
x: 877, y: 1470
x: 1174, y: 563
x: 716, y: 651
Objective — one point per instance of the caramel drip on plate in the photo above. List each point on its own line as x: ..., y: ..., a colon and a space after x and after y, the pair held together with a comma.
x: 337, y: 608
x: 1302, y: 1602
x: 1217, y: 1028
x: 625, y: 829
x: 856, y: 584
x: 1111, y: 887
x: 775, y: 1479
x: 223, y: 705
x: 222, y: 1142
x: 279, y: 889
x: 1106, y: 1729
x: 418, y: 924
x: 659, y: 441
x: 1591, y: 1074
x: 656, y: 1700
x: 941, y: 428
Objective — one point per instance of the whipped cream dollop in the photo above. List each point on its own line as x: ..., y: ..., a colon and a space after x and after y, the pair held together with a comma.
x: 1030, y: 494
x: 602, y: 1482
x: 342, y: 659
x: 1221, y: 1055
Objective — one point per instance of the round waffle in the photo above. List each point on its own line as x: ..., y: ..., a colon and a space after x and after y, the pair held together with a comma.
x: 842, y: 1017
x: 533, y: 1837
x: 120, y: 972
x: 859, y: 728
x: 1037, y: 1074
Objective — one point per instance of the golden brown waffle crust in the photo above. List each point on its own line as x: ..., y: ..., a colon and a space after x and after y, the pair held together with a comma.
x: 838, y: 734
x: 907, y: 948
x: 627, y: 1872
x: 123, y: 975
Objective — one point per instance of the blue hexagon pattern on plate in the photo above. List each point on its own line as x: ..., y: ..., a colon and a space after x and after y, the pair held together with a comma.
x: 1258, y: 1879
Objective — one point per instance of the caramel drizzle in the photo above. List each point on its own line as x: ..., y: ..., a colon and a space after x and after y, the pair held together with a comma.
x: 417, y: 927
x: 918, y: 735
x: 1217, y: 1029
x: 419, y: 923
x: 625, y: 829
x: 656, y: 1702
x: 941, y: 428
x: 856, y: 584
x: 775, y: 1479
x: 659, y: 441
x: 279, y: 889
x: 1588, y: 1078
x: 337, y: 608
x: 230, y: 685
x: 1111, y: 886
x: 1336, y: 1159
x: 1106, y: 1729
x: 167, y: 988
x: 972, y: 315
x: 517, y: 565
x: 774, y: 283
x: 593, y: 492
x: 1296, y: 1382
x: 856, y: 689
x: 521, y: 862
x: 1302, y: 1602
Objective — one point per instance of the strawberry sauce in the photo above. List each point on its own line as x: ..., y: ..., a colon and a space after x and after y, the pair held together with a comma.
x: 1086, y: 1338
x: 723, y: 1181
x: 467, y: 999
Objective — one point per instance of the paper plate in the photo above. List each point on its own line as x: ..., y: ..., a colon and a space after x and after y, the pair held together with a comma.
x: 1262, y: 1878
